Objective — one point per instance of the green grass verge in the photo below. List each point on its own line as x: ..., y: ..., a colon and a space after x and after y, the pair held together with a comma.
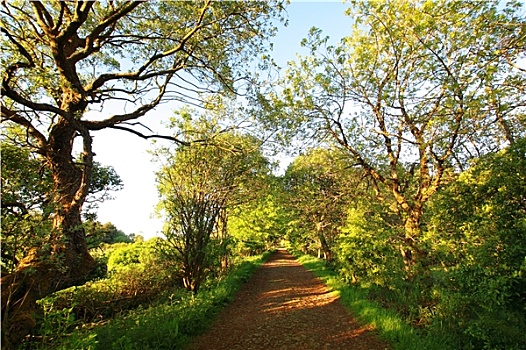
x: 168, y: 326
x: 390, y: 326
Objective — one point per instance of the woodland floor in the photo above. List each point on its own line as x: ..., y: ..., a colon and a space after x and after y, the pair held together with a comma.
x: 284, y: 306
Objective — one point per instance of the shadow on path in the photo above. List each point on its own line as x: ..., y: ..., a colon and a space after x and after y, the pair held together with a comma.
x: 284, y: 306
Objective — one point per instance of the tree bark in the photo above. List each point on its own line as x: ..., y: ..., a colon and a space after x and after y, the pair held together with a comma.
x: 410, y: 251
x: 327, y: 253
x: 65, y: 261
x: 223, y: 239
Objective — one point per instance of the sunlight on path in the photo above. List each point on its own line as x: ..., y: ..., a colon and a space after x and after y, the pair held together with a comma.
x: 284, y: 306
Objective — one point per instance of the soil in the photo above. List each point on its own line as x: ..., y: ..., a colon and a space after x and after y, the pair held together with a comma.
x: 284, y: 306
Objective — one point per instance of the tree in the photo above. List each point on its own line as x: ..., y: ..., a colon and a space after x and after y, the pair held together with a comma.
x: 26, y: 207
x: 197, y: 184
x: 318, y: 187
x: 418, y: 88
x: 97, y: 234
x: 259, y: 223
x: 62, y: 60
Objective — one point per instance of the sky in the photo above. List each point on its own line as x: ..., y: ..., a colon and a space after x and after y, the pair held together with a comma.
x: 131, y: 210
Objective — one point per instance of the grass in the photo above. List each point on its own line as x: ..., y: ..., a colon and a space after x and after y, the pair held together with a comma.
x: 389, y: 325
x: 167, y: 326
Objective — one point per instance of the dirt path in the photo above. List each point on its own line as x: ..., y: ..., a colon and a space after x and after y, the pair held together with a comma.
x: 284, y: 306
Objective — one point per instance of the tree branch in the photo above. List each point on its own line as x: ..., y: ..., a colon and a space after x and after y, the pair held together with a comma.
x: 137, y: 75
x: 22, y: 50
x: 146, y: 137
x: 110, y: 20
x: 10, y: 115
x: 44, y: 19
x: 81, y: 15
x: 15, y: 96
x: 142, y: 110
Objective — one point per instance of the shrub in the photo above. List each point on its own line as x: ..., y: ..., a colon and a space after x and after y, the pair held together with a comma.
x: 478, y: 233
x: 124, y: 256
x: 167, y: 325
x: 124, y: 290
x: 366, y: 251
x: 137, y: 277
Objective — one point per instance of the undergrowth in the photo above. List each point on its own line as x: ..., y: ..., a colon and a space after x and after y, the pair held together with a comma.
x: 388, y: 323
x: 169, y: 325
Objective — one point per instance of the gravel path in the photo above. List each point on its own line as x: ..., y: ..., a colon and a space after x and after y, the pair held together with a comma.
x: 284, y: 306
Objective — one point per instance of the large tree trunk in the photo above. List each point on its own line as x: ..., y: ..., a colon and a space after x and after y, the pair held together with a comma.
x: 66, y: 260
x: 71, y: 185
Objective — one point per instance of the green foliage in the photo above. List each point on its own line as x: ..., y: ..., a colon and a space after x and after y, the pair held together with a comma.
x: 98, y: 234
x: 63, y: 60
x: 138, y: 276
x: 129, y: 256
x: 168, y: 325
x: 197, y: 184
x: 415, y: 91
x: 416, y: 88
x: 215, y: 59
x: 395, y: 55
x: 366, y: 251
x: 56, y: 321
x: 318, y: 186
x: 471, y: 282
x: 25, y: 205
x: 104, y: 181
x: 478, y: 234
x: 256, y: 226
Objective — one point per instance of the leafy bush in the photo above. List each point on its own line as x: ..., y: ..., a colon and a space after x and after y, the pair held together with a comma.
x: 365, y: 250
x: 478, y: 234
x: 256, y: 226
x: 137, y: 277
x: 368, y: 254
x: 122, y: 291
x: 471, y: 282
x: 128, y: 256
x: 168, y: 325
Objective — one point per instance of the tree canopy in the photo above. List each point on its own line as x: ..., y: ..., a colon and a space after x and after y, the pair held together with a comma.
x: 416, y: 90
x: 61, y: 61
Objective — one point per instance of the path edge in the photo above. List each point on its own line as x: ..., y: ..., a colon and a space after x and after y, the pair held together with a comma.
x: 388, y: 325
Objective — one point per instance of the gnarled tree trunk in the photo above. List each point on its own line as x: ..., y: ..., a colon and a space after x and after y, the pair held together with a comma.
x: 65, y: 261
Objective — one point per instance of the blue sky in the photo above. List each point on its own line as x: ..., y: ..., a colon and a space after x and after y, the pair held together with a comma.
x: 131, y: 210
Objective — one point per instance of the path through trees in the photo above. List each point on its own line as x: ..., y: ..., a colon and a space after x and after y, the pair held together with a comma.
x: 284, y: 306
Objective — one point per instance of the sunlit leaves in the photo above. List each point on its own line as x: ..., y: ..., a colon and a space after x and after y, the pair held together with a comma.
x: 412, y: 93
x: 198, y: 182
x: 477, y: 233
x: 318, y: 186
x: 422, y: 69
x: 257, y: 225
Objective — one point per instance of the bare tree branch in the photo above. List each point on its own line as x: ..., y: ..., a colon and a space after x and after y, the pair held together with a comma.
x: 143, y: 136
